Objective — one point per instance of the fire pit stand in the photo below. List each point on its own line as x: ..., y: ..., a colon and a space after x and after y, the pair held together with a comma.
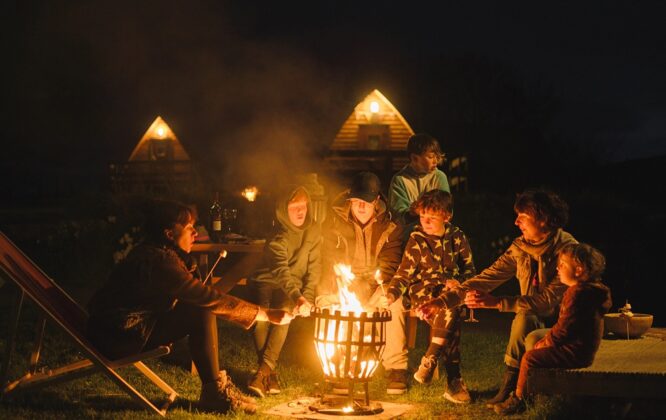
x: 349, y: 347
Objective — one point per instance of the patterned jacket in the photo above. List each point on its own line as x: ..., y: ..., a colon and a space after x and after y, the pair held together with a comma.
x: 428, y: 261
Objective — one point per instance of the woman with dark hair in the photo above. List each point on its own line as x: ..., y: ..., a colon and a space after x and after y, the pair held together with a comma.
x: 532, y: 259
x: 155, y: 297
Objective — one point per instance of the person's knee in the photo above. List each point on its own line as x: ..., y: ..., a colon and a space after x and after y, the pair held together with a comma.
x: 534, y: 337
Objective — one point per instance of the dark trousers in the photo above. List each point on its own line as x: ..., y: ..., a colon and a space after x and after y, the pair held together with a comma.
x: 548, y: 357
x: 200, y: 326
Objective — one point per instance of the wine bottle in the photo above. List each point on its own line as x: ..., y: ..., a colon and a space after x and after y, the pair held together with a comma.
x: 216, y: 219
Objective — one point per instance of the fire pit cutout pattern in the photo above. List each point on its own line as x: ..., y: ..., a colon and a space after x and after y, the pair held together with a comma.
x: 350, y: 346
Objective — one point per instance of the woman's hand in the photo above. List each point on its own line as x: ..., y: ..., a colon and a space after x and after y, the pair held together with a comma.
x: 475, y: 299
x: 274, y: 316
x: 429, y: 309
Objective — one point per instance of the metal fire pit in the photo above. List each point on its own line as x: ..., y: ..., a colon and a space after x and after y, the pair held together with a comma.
x: 349, y: 348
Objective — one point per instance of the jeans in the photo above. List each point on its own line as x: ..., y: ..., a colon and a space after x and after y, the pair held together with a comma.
x: 523, y: 324
x: 269, y: 338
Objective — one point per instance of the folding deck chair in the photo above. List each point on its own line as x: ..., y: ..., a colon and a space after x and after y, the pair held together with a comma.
x: 61, y: 309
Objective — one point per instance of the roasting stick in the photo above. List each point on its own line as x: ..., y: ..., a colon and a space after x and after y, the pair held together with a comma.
x: 378, y: 279
x: 223, y: 254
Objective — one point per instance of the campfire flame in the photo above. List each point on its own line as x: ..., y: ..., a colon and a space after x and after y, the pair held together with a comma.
x: 332, y: 344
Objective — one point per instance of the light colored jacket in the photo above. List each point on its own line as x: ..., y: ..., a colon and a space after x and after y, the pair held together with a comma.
x: 407, y: 186
x: 539, y: 295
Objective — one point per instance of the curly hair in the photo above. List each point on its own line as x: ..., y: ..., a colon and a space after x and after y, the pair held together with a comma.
x: 545, y: 206
x: 590, y: 258
x: 435, y: 200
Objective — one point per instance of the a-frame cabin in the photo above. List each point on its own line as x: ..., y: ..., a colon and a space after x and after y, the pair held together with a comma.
x: 373, y: 138
x: 158, y: 165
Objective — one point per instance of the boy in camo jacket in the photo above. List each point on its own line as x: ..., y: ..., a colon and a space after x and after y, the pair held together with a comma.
x: 437, y: 257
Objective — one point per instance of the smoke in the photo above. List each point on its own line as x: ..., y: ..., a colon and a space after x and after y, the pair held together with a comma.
x: 247, y: 110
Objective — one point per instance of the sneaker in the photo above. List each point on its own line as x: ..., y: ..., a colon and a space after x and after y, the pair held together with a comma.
x: 426, y: 370
x: 397, y: 382
x: 273, y: 384
x: 258, y: 385
x: 222, y: 396
x: 511, y: 405
x: 456, y: 392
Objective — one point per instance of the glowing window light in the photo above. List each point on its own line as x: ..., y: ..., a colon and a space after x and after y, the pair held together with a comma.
x: 374, y: 107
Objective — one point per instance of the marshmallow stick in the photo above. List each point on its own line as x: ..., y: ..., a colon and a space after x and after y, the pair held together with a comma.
x: 223, y: 254
x: 380, y: 282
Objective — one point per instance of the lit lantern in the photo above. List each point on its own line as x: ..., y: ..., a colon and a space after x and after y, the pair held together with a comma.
x: 250, y: 193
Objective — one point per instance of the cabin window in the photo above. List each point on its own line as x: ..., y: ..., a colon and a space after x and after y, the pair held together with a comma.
x: 374, y: 137
x: 373, y: 141
x: 160, y: 150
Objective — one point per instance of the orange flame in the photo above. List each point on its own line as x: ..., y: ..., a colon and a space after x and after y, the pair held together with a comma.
x: 331, y: 349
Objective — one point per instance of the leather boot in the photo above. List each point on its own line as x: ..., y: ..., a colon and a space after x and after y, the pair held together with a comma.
x: 509, y: 382
x: 259, y: 385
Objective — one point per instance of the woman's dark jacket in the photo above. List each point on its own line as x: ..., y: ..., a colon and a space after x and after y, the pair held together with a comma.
x: 146, y: 285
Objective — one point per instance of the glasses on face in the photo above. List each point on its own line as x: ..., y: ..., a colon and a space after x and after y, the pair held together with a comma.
x: 438, y: 157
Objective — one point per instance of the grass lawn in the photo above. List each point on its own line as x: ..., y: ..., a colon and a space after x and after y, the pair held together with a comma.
x: 97, y: 397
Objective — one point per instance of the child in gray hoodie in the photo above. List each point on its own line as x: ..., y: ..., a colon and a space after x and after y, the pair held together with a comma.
x: 286, y: 279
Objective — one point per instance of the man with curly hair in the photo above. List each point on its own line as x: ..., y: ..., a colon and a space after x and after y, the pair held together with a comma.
x: 532, y: 259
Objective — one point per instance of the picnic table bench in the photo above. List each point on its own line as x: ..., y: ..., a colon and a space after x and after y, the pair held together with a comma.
x: 622, y: 368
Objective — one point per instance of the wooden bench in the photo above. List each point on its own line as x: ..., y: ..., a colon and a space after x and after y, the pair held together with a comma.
x: 622, y: 369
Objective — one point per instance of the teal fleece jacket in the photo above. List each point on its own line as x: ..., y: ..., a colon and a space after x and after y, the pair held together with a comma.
x: 407, y: 186
x: 292, y: 256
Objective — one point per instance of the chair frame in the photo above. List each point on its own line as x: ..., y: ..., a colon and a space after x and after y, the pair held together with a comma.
x: 49, y: 298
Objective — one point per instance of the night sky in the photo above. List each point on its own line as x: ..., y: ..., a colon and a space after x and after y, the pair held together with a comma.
x: 242, y: 84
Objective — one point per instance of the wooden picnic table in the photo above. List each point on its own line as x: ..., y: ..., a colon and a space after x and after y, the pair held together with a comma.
x: 241, y: 260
